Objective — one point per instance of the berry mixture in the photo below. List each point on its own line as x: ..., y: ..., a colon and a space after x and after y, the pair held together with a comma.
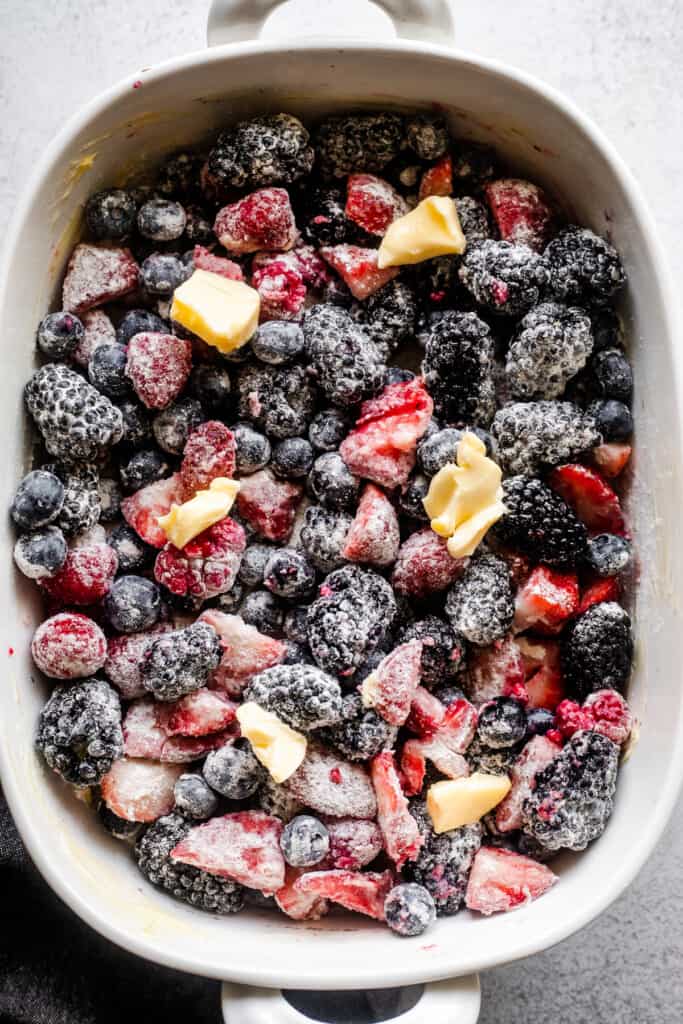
x: 276, y: 673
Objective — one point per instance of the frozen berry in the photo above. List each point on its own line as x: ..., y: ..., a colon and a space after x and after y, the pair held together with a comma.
x: 328, y: 429
x: 117, y: 827
x: 137, y: 424
x: 278, y: 342
x: 265, y: 150
x: 443, y: 651
x: 179, y: 174
x: 289, y: 574
x: 323, y: 536
x: 597, y: 649
x: 373, y: 203
x: 607, y: 554
x: 161, y: 220
x: 110, y: 499
x: 304, y: 841
x: 86, y: 575
x: 198, y: 226
x: 409, y: 909
x: 59, y: 335
x: 374, y: 537
x: 253, y: 449
x: 211, y: 386
x: 269, y: 505
x: 110, y: 214
x: 133, y: 553
x: 539, y: 523
x: 326, y: 783
x: 474, y: 219
x: 79, y: 731
x: 97, y: 274
x: 522, y: 212
x: 161, y: 273
x: 348, y: 365
x: 411, y: 498
x: 133, y: 604
x: 158, y: 365
x: 427, y: 135
x: 324, y: 220
x: 82, y: 506
x: 502, y: 723
x: 97, y: 330
x: 206, y: 566
x: 106, y: 371
x: 551, y: 346
x: 194, y: 797
x: 458, y: 368
x: 180, y: 662
x: 264, y: 611
x: 480, y: 605
x: 301, y: 695
x: 292, y: 458
x: 539, y: 721
x: 612, y: 375
x: 389, y: 316
x: 69, y: 646
x: 253, y: 564
x: 358, y: 142
x: 139, y: 321
x: 174, y: 424
x: 38, y: 500
x: 332, y: 484
x: 533, y: 435
x: 209, y: 453
x: 233, y: 770
x: 40, y: 553
x: 424, y: 566
x: 613, y: 419
x: 142, y: 468
x: 361, y: 733
x: 230, y: 600
x: 505, y: 278
x: 262, y: 220
x: 444, y: 861
x: 279, y: 400
x: 583, y: 266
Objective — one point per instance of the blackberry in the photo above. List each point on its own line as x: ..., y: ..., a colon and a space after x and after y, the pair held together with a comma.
x: 473, y: 165
x: 253, y: 565
x: 355, y: 611
x: 279, y: 400
x: 388, y: 317
x: 81, y: 506
x: 233, y: 770
x: 357, y: 142
x: 491, y: 760
x: 142, y: 468
x: 252, y: 449
x: 361, y: 733
x: 323, y: 536
x: 139, y: 321
x: 211, y: 386
x: 332, y: 483
x: 427, y: 136
x: 583, y: 266
x: 278, y: 341
x: 110, y: 499
x: 59, y: 335
x: 174, y: 424
x: 41, y: 553
x: 502, y: 723
x: 409, y: 909
x: 301, y: 695
x: 106, y: 371
x: 38, y: 500
x: 551, y: 346
x: 295, y: 625
x: 443, y: 651
x: 607, y: 329
x: 539, y: 523
x: 612, y: 375
x: 458, y: 367
x: 264, y: 611
x: 608, y: 554
x: 292, y: 458
x: 194, y: 798
x: 110, y: 214
x: 505, y: 278
x: 348, y: 365
x: 133, y: 604
x: 179, y: 174
x: 198, y: 226
x: 328, y: 429
x: 411, y: 498
x: 324, y: 220
x: 444, y: 861
x: 161, y: 220
x: 304, y: 841
x: 474, y: 219
x: 180, y: 662
x: 573, y: 796
x: 79, y: 731
x: 533, y: 435
x: 268, y: 150
x: 191, y: 885
x: 437, y: 284
x: 76, y: 421
x: 480, y: 605
x: 596, y: 650
x: 117, y: 827
x: 137, y: 423
x: 613, y: 419
x: 539, y: 721
x: 132, y: 552
x: 289, y: 574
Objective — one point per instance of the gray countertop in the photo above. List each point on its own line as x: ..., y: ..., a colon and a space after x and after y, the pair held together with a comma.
x: 621, y: 62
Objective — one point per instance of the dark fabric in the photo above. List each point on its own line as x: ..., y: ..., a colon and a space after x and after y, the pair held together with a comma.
x: 54, y: 969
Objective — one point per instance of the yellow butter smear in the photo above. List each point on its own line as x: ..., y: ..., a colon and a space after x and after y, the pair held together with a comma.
x: 465, y: 499
x: 431, y: 229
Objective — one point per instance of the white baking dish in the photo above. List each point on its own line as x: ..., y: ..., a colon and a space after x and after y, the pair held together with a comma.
x: 177, y: 104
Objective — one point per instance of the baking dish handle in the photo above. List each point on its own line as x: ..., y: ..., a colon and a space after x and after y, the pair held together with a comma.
x: 456, y: 1001
x: 234, y: 21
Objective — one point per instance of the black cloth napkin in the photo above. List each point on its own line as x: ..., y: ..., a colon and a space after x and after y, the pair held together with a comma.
x: 54, y: 969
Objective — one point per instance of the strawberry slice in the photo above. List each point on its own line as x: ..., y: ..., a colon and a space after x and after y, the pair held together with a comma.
x: 245, y: 651
x: 358, y: 268
x: 611, y: 458
x: 494, y: 671
x: 329, y: 785
x: 545, y: 688
x: 198, y: 714
x: 391, y: 687
x: 209, y: 452
x: 300, y: 906
x: 595, y: 593
x: 536, y: 755
x: 204, y: 259
x: 426, y: 713
x: 98, y: 274
x: 522, y: 212
x: 354, y: 843
x: 145, y: 735
x: 593, y: 500
x: 374, y: 536
x: 546, y: 600
x: 501, y: 880
x: 413, y: 767
x: 402, y: 837
x: 140, y: 790
x: 457, y: 730
x: 244, y: 846
x: 372, y: 203
x: 437, y: 180
x: 142, y: 509
x: 269, y: 505
x: 444, y: 747
x: 261, y: 220
x: 362, y: 893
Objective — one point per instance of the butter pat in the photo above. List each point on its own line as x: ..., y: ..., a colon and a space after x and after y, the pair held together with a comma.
x: 431, y: 229
x: 464, y: 500
x: 457, y: 802
x: 185, y: 521
x: 278, y: 747
x: 222, y: 313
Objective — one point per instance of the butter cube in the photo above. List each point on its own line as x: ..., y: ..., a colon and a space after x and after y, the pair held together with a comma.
x: 457, y: 802
x: 278, y: 747
x: 222, y: 313
x: 185, y: 521
x: 431, y: 229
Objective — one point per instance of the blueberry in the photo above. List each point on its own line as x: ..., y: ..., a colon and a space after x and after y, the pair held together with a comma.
x: 278, y: 341
x: 142, y: 468
x: 137, y: 423
x: 292, y: 458
x: 297, y: 654
x: 333, y: 484
x: 397, y: 375
x: 264, y: 611
x: 107, y: 370
x: 440, y: 448
x: 133, y: 604
x: 138, y: 321
x: 233, y: 770
x: 59, y: 335
x: 539, y: 721
x: 133, y: 553
x: 502, y: 723
x: 613, y: 419
x: 194, y: 797
x: 304, y: 841
x: 174, y: 424
x: 253, y: 449
x: 161, y: 220
x: 110, y: 499
x: 211, y: 386
x: 119, y: 828
x: 110, y: 214
x: 162, y: 272
x: 230, y: 601
x: 607, y: 554
x: 289, y: 574
x: 295, y: 624
x: 198, y: 226
x: 411, y: 498
x: 41, y: 553
x: 253, y: 565
x: 328, y: 429
x: 448, y: 694
x: 409, y: 909
x: 613, y: 375
x: 38, y: 500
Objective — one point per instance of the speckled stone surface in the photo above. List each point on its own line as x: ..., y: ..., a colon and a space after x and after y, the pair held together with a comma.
x: 620, y: 60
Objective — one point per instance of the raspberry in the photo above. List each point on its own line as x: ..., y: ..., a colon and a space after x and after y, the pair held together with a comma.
x: 244, y: 847
x: 140, y: 790
x: 347, y: 364
x: 81, y: 507
x: 610, y: 713
x: 358, y: 142
x: 261, y: 220
x: 360, y: 734
x: 501, y: 880
x: 480, y: 605
x: 540, y: 524
x: 392, y: 685
x: 69, y: 646
x: 546, y: 600
x: 203, y: 259
x: 388, y: 316
x: 278, y: 399
x: 374, y: 534
x: 583, y: 267
x: 300, y: 695
x: 178, y: 663
x: 206, y: 566
x: 551, y: 345
x: 97, y: 274
x: 570, y: 718
x: 401, y: 835
x: 159, y: 366
x: 458, y: 366
x: 76, y: 421
x: 358, y: 268
x: 363, y: 893
x: 494, y: 671
x: 504, y: 278
x: 323, y: 537
x: 85, y: 577
x: 437, y: 180
x: 209, y: 453
x: 281, y: 288
x: 246, y: 652
x: 593, y: 500
x: 269, y: 505
x: 444, y: 862
x: 372, y: 203
x: 143, y: 509
x: 354, y: 843
x: 424, y: 565
x: 597, y: 649
x: 198, y: 713
x: 264, y: 150
x: 79, y: 731
x: 522, y: 212
x: 124, y: 657
x: 330, y: 785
